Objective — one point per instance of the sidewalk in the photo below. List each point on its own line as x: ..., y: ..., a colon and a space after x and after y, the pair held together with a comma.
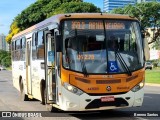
x: 152, y: 84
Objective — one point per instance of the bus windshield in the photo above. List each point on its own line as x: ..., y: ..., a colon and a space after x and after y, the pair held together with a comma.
x: 102, y: 46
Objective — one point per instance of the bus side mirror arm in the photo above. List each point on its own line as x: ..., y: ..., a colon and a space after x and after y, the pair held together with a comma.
x: 59, y: 43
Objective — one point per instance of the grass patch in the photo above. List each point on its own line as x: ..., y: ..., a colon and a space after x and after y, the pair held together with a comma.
x: 153, y: 76
x: 9, y: 68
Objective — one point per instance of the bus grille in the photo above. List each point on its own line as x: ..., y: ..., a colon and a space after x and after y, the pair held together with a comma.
x: 119, y: 102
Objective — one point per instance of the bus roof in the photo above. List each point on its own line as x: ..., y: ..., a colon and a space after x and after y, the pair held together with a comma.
x: 59, y: 17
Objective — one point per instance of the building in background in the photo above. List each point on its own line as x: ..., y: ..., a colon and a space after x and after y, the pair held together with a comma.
x: 154, y: 54
x: 109, y: 5
x: 3, y: 44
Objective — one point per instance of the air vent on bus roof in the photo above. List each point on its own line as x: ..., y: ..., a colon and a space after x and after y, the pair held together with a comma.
x: 67, y: 15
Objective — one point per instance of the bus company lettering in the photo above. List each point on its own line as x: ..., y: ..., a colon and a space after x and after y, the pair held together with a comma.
x: 122, y: 88
x: 93, y: 88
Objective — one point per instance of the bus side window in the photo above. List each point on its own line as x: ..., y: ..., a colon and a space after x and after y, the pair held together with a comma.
x: 34, y: 46
x: 13, y: 47
x: 40, y: 46
x: 17, y: 50
x: 23, y: 46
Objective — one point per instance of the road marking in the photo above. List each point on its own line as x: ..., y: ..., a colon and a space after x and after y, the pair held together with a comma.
x: 148, y: 97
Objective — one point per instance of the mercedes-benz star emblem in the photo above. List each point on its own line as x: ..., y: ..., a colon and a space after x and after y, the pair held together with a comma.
x: 108, y: 88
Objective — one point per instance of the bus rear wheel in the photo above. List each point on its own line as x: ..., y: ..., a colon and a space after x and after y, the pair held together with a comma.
x: 49, y: 107
x: 23, y: 96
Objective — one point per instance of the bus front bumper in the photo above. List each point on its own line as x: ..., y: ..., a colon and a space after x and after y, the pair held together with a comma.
x: 71, y: 102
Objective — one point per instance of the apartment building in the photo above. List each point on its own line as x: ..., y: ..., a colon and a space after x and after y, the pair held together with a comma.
x: 3, y: 44
x: 109, y: 5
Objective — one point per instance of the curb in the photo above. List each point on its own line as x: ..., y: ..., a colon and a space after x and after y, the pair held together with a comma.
x: 152, y: 84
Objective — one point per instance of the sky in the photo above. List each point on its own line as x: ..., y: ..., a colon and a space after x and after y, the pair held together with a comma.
x: 9, y: 9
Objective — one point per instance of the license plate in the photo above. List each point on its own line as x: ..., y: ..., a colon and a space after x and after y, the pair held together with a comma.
x: 107, y: 99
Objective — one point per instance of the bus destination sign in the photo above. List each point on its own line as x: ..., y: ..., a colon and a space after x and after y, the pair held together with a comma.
x: 97, y: 25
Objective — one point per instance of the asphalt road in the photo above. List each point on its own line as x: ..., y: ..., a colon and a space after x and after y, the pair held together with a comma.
x: 10, y: 101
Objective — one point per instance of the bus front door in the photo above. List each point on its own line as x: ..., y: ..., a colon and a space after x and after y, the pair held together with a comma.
x: 50, y: 68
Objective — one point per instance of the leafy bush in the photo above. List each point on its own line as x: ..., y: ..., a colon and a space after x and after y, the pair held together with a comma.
x: 5, y: 58
x: 6, y: 61
x: 155, y: 62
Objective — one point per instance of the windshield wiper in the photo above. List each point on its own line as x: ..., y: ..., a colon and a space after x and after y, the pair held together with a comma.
x: 84, y: 70
x: 123, y: 63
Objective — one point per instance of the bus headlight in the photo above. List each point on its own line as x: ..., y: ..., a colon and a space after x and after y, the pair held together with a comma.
x: 72, y: 89
x: 138, y: 86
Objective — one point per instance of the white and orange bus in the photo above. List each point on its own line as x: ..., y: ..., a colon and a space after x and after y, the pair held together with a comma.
x: 80, y: 62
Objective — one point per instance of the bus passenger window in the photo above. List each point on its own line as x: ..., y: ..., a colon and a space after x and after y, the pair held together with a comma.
x: 13, y: 49
x: 17, y: 51
x: 34, y: 47
x: 23, y: 46
x: 40, y: 46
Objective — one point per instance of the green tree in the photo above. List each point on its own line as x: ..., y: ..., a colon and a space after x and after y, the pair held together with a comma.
x: 2, y: 55
x: 31, y: 15
x: 75, y: 7
x: 148, y: 14
x: 6, y: 61
x: 5, y: 58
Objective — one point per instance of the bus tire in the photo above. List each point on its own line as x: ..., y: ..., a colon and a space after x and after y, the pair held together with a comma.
x: 23, y: 96
x: 42, y: 88
x: 51, y: 108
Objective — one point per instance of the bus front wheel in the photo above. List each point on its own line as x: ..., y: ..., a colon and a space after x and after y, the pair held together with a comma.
x: 51, y: 108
